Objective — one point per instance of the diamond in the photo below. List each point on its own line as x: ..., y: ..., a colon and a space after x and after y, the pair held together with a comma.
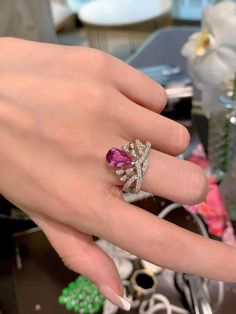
x: 119, y: 172
x: 124, y: 178
x: 129, y: 170
x: 126, y: 148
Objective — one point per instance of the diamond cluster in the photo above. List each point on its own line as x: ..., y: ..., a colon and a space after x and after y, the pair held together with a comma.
x: 132, y: 162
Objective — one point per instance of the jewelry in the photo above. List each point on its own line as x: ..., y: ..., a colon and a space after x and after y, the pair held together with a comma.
x: 132, y: 162
x: 143, y: 283
x: 82, y: 296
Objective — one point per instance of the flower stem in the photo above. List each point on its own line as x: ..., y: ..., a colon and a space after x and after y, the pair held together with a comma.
x: 234, y: 88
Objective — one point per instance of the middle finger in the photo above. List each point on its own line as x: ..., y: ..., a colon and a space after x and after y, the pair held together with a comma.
x: 165, y: 134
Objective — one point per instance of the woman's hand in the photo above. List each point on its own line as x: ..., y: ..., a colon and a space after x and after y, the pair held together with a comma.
x: 61, y: 110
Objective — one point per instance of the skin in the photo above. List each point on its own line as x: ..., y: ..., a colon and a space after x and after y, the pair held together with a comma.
x: 61, y: 110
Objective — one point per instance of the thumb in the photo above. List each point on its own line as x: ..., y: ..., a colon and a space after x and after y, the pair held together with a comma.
x: 81, y: 254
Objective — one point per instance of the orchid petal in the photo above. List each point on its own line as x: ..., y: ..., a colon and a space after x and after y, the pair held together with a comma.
x: 209, y: 70
x: 216, y: 17
x: 188, y: 49
x: 211, y: 53
x: 229, y: 56
x: 229, y: 32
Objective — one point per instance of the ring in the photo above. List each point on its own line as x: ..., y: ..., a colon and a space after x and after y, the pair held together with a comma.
x: 132, y: 163
x: 143, y: 283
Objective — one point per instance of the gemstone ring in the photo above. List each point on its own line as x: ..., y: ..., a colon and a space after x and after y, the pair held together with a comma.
x: 132, y: 163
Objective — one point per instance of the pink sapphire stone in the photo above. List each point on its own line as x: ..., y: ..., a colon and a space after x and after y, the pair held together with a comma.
x: 116, y: 157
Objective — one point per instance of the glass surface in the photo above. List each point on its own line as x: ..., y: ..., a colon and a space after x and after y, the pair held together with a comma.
x: 228, y: 190
x: 222, y: 137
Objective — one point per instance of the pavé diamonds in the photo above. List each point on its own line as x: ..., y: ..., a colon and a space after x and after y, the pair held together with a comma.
x: 133, y: 163
x: 124, y: 178
x: 119, y: 172
x: 129, y: 170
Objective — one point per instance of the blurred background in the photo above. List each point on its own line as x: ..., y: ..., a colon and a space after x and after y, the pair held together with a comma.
x: 117, y: 27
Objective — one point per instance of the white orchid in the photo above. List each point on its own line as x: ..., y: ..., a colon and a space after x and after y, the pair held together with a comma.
x: 211, y: 53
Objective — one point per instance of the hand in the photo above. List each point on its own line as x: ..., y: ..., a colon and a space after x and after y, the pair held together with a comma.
x: 61, y: 110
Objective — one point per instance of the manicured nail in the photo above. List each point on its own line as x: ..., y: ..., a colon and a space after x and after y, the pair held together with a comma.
x: 122, y: 302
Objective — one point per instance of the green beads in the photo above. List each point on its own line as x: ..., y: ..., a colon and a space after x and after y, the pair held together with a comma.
x: 81, y: 296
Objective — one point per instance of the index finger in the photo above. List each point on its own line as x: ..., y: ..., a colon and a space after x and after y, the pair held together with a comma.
x: 165, y: 244
x: 138, y: 87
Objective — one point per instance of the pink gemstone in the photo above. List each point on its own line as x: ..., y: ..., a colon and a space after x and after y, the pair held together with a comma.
x: 116, y: 157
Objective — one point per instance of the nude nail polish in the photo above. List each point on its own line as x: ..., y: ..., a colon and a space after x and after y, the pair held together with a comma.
x: 122, y: 302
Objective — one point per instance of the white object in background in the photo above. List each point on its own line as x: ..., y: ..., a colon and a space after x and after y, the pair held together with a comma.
x: 121, y: 258
x: 76, y: 5
x: 114, y: 251
x: 123, y: 12
x: 211, y: 53
x: 152, y: 267
x: 109, y: 308
x: 124, y: 267
x: 157, y: 303
x: 60, y: 12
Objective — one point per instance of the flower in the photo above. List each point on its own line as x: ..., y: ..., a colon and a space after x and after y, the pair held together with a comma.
x: 211, y: 53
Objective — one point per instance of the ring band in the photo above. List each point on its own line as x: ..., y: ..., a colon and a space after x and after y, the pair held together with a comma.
x: 143, y: 283
x: 132, y: 163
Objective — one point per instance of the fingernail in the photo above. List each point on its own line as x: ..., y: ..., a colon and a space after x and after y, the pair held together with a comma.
x: 122, y: 302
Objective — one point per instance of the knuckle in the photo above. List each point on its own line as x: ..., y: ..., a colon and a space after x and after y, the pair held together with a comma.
x: 101, y: 61
x: 104, y: 101
x: 98, y: 95
x: 98, y: 61
x: 90, y: 61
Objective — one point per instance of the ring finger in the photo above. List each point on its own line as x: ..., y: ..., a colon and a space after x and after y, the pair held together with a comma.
x: 167, y: 176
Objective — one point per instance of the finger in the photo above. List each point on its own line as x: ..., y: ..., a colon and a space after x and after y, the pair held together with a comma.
x: 165, y: 244
x: 165, y: 135
x: 80, y: 254
x: 175, y: 179
x: 172, y: 178
x: 138, y: 87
